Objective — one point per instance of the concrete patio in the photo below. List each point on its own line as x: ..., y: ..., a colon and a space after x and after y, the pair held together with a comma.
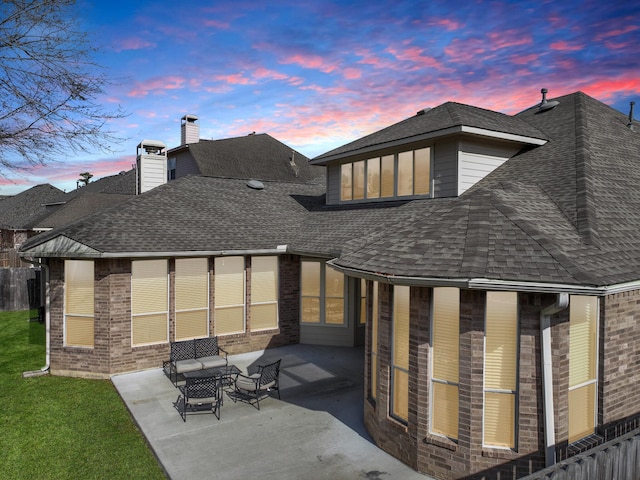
x: 315, y: 431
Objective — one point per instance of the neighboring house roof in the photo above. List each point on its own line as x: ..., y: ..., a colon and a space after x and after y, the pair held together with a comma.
x: 80, y: 206
x: 566, y: 212
x: 123, y: 183
x: 258, y: 156
x: 445, y: 119
x: 21, y: 210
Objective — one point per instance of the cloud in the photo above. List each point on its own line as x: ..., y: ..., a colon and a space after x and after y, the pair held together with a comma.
x: 310, y: 61
x: 132, y: 43
x: 156, y: 85
x: 564, y: 46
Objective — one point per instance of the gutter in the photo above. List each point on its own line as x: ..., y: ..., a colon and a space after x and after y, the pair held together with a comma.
x: 561, y: 303
x: 280, y: 249
x: 47, y: 320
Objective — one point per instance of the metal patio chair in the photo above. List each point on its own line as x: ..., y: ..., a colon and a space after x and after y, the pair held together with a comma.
x: 250, y: 388
x: 199, y: 395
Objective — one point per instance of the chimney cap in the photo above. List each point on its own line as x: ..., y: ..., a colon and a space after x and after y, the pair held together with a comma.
x: 189, y: 118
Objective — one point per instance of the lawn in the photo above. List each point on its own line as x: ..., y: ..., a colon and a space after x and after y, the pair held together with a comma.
x: 55, y: 427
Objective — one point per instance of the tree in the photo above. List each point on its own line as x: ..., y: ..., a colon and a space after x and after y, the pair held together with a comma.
x: 85, y: 177
x: 49, y: 86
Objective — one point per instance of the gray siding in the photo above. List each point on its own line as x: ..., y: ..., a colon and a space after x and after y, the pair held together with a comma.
x: 478, y: 159
x: 186, y: 165
x: 445, y: 173
x: 333, y: 184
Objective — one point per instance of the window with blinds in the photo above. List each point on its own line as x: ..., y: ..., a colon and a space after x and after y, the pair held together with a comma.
x: 149, y: 302
x: 400, y: 354
x: 264, y: 293
x: 363, y: 302
x: 322, y: 294
x: 229, y: 295
x: 583, y: 365
x: 500, y: 369
x: 79, y: 303
x: 373, y: 383
x: 445, y: 353
x: 192, y: 298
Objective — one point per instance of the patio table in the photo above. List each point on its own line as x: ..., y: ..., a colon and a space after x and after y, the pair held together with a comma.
x: 224, y: 374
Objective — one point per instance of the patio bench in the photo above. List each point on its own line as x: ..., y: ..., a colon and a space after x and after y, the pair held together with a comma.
x: 192, y: 355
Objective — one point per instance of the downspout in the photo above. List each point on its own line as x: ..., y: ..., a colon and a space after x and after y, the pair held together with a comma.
x: 547, y: 375
x: 47, y: 319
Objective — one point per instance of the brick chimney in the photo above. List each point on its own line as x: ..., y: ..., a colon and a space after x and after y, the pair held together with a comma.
x: 189, y: 130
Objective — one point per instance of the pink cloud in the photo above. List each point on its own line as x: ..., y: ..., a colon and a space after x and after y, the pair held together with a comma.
x: 466, y: 51
x: 235, y: 79
x: 524, y: 59
x: 313, y: 62
x: 170, y: 82
x: 415, y: 55
x: 446, y: 23
x: 563, y: 46
x: 216, y: 24
x: 508, y: 38
x: 132, y: 43
x: 616, y: 32
x: 351, y: 73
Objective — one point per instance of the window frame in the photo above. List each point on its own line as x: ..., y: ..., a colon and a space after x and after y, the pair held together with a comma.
x: 275, y: 301
x: 500, y: 391
x: 206, y: 308
x: 83, y: 315
x: 150, y: 313
x: 436, y: 381
x: 397, y: 370
x: 322, y: 296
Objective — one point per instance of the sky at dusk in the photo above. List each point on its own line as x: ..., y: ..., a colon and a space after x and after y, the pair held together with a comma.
x: 318, y: 74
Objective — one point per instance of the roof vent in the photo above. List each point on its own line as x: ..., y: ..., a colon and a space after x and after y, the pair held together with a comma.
x: 255, y: 184
x: 630, y: 124
x: 544, y: 104
x: 423, y: 111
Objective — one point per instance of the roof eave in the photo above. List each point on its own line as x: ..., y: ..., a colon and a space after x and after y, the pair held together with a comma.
x: 458, y: 129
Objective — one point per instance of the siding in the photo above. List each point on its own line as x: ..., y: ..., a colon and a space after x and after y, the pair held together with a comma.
x: 186, y: 165
x: 333, y: 184
x: 152, y: 171
x: 445, y: 160
x: 478, y: 159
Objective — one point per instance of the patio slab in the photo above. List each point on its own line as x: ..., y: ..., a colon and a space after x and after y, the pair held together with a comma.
x: 315, y: 431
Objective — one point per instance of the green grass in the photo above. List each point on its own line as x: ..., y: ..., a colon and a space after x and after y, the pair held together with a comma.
x: 56, y: 427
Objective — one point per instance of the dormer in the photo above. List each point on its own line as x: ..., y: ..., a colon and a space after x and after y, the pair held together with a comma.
x: 439, y: 152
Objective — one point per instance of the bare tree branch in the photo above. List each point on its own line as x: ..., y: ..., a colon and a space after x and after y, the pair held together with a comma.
x: 49, y: 86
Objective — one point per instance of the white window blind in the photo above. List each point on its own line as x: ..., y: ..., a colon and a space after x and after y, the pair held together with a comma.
x: 229, y: 295
x: 192, y: 298
x: 79, y: 303
x: 400, y: 353
x: 149, y: 302
x: 264, y: 293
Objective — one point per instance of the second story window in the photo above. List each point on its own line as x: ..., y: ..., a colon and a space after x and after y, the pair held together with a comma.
x: 405, y: 174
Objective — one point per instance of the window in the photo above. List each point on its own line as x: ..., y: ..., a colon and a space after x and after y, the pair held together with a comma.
x: 171, y: 169
x: 78, y: 303
x: 373, y: 385
x: 400, y: 354
x: 149, y: 302
x: 500, y: 369
x: 363, y: 302
x: 229, y: 295
x: 192, y: 298
x: 322, y: 293
x: 583, y: 363
x: 445, y: 349
x: 404, y: 174
x: 264, y: 293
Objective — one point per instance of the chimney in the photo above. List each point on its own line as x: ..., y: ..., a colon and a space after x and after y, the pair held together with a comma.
x: 630, y: 123
x: 189, y: 130
x: 151, y: 165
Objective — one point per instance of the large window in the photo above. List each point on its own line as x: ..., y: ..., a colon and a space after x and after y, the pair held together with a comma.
x: 78, y: 303
x: 322, y: 292
x: 405, y: 174
x: 445, y: 353
x: 192, y: 298
x: 264, y: 293
x: 373, y: 385
x: 500, y: 369
x: 583, y: 363
x: 149, y: 302
x: 229, y: 304
x: 400, y: 354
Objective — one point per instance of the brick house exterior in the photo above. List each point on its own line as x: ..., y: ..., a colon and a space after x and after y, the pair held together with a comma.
x: 541, y: 206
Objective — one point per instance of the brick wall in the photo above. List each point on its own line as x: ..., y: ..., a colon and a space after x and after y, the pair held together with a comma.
x: 113, y: 353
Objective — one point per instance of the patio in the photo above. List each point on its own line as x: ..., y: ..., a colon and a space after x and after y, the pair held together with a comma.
x: 315, y: 431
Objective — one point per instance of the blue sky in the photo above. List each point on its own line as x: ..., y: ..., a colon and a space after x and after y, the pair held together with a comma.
x: 318, y: 74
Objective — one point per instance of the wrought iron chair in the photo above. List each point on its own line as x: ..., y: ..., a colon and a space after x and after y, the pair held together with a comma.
x: 250, y: 388
x: 201, y: 394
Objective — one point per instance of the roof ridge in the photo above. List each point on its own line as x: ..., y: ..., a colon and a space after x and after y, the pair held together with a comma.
x: 586, y: 214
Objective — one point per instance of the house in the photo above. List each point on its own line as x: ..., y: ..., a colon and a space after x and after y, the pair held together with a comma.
x: 488, y: 263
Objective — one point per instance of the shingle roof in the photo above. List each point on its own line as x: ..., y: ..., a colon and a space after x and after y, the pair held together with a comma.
x: 21, y: 210
x: 258, y: 156
x: 566, y: 212
x: 82, y: 205
x: 437, y: 119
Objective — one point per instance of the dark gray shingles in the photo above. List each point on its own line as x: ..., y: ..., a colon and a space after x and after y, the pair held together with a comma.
x: 21, y: 210
x: 257, y: 156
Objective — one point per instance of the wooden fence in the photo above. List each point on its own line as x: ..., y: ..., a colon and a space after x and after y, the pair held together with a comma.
x: 20, y: 289
x: 618, y: 459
